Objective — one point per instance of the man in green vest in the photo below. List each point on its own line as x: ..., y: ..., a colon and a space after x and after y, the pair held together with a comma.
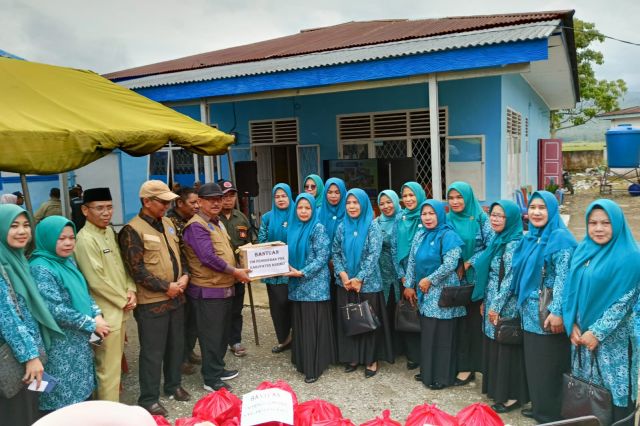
x: 212, y: 265
x: 151, y: 252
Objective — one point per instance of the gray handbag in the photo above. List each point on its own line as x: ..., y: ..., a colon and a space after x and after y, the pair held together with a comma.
x: 11, y: 371
x: 545, y: 297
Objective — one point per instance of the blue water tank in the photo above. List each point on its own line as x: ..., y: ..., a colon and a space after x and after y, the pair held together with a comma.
x: 623, y: 146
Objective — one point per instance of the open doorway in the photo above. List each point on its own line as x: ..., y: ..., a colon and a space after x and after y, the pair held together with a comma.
x: 276, y: 164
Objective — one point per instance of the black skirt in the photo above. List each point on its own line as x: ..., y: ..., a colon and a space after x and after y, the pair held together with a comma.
x: 470, y: 339
x: 438, y: 361
x: 280, y: 309
x: 369, y: 347
x: 21, y: 410
x: 503, y: 375
x: 313, y: 346
x: 546, y: 359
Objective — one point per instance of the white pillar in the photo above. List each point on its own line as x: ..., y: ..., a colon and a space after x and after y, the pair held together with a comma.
x: 63, y: 180
x: 208, y: 164
x: 434, y: 134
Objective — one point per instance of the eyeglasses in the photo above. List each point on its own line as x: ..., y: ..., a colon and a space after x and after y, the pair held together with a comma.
x: 163, y: 202
x: 497, y: 216
x: 310, y: 187
x: 102, y: 209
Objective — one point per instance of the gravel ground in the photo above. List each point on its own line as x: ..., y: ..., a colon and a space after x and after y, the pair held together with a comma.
x: 359, y: 399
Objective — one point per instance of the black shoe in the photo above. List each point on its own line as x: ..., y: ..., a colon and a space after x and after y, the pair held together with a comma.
x: 310, y: 379
x: 459, y: 382
x: 216, y: 386
x: 350, y: 368
x: 280, y: 348
x: 418, y: 377
x: 180, y: 395
x: 156, y: 409
x: 527, y: 412
x: 436, y: 386
x: 412, y: 365
x: 228, y: 374
x: 369, y: 373
x: 500, y: 408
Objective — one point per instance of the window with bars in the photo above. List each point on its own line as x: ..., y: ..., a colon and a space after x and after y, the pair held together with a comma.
x: 274, y: 131
x: 514, y: 149
x: 394, y: 134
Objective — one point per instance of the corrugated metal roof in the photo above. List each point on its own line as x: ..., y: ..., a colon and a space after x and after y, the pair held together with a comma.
x: 357, y: 54
x: 342, y: 36
x: 625, y: 111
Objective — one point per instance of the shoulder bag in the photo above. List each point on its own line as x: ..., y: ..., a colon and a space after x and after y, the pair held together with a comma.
x: 407, y: 317
x: 358, y: 318
x: 508, y: 330
x: 456, y: 295
x: 582, y: 397
x: 545, y: 297
x: 11, y: 371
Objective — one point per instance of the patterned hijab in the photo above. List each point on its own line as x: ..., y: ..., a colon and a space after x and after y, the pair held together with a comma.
x: 466, y: 223
x: 387, y: 222
x: 600, y: 274
x: 537, y: 247
x: 319, y: 188
x: 409, y: 221
x: 330, y: 216
x: 512, y: 232
x: 277, y: 218
x: 16, y: 266
x: 356, y: 230
x: 47, y: 233
x: 300, y: 232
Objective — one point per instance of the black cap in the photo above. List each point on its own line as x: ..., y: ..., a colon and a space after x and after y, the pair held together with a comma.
x: 18, y: 194
x: 210, y: 190
x: 227, y: 186
x: 97, y: 194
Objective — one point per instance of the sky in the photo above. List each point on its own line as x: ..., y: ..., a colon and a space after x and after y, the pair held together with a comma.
x: 107, y: 36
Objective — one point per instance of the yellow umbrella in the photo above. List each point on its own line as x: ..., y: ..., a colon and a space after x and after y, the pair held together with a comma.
x: 55, y: 119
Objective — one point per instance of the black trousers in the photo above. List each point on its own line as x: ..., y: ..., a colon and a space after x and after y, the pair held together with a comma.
x: 546, y: 359
x: 161, y: 338
x: 235, y: 332
x: 21, y: 410
x: 190, y: 330
x: 213, y: 317
x: 280, y: 309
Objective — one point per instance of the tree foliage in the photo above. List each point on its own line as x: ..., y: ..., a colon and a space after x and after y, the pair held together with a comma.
x: 597, y: 96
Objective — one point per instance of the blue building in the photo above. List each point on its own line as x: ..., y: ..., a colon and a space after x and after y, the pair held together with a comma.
x: 370, y: 90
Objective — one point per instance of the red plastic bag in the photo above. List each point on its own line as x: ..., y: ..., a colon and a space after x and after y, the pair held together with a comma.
x: 316, y: 410
x: 161, y: 421
x: 218, y: 407
x: 334, y: 422
x: 428, y: 414
x: 234, y: 421
x: 193, y: 421
x: 385, y: 420
x: 478, y: 414
x: 280, y: 384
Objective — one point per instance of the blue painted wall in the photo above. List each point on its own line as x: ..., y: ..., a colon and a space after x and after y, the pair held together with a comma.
x: 518, y: 95
x: 134, y: 173
x: 39, y: 186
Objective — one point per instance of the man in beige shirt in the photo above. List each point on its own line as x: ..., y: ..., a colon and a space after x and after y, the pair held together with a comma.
x: 98, y: 256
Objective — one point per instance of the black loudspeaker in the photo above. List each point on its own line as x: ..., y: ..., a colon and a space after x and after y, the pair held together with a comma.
x: 247, y: 178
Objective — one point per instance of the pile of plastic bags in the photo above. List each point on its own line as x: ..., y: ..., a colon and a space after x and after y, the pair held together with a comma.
x: 222, y: 408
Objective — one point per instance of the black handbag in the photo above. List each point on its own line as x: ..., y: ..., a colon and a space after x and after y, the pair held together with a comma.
x: 583, y: 398
x: 456, y: 295
x: 11, y: 371
x: 508, y: 330
x: 407, y: 317
x: 358, y: 318
x: 545, y: 297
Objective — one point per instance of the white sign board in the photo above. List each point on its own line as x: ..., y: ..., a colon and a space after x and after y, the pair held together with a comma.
x: 267, y: 405
x: 267, y: 261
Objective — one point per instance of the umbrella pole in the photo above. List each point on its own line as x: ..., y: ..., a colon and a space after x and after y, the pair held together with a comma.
x: 251, y: 304
x: 25, y: 192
